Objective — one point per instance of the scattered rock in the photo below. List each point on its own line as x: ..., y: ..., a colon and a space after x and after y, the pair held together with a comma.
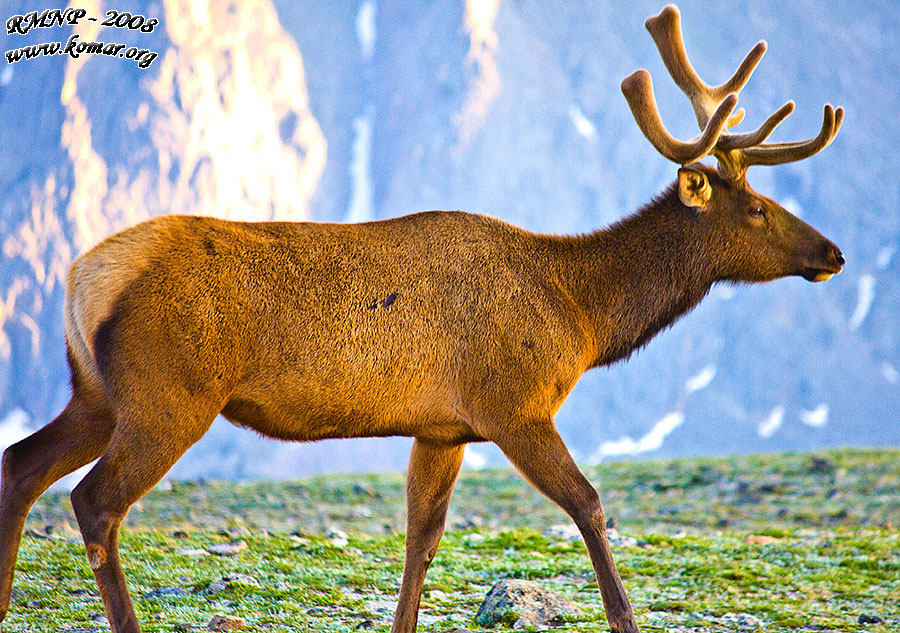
x: 821, y: 465
x: 746, y: 495
x: 364, y: 489
x: 62, y: 530
x: 192, y: 551
x: 222, y: 622
x: 298, y: 542
x: 38, y: 535
x: 869, y: 618
x: 617, y: 540
x: 360, y: 512
x: 563, y: 532
x: 337, y: 537
x: 164, y: 593
x: 524, y: 603
x: 473, y: 539
x: 760, y: 539
x: 231, y: 580
x: 742, y: 620
x: 238, y: 531
x: 227, y: 549
x: 656, y: 617
x: 469, y: 522
x: 99, y: 618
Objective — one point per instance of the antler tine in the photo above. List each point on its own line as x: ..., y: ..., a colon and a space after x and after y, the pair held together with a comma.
x: 638, y: 91
x: 742, y: 75
x: 665, y: 29
x: 755, y: 138
x: 777, y: 153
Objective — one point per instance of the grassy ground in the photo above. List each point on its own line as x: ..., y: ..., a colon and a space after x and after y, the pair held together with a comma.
x: 834, y: 518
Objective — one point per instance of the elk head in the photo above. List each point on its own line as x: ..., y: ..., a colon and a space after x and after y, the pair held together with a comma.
x: 761, y: 240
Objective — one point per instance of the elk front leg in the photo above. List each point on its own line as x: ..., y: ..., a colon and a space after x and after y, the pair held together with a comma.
x: 544, y: 460
x: 432, y: 472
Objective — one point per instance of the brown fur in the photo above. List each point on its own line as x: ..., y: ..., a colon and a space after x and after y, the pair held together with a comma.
x: 444, y: 326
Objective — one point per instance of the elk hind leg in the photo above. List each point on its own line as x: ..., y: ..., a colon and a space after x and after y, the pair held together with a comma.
x: 74, y: 438
x: 141, y: 451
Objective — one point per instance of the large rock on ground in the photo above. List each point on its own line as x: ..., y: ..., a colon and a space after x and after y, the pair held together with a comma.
x: 524, y: 603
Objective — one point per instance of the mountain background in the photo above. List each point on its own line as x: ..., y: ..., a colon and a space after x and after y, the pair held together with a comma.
x: 349, y: 111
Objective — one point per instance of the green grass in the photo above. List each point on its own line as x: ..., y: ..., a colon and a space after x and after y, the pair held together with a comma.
x: 834, y: 514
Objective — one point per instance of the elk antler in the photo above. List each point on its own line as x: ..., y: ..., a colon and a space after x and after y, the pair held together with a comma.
x: 712, y: 107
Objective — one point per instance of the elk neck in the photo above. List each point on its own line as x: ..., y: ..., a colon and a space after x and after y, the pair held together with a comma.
x: 639, y: 275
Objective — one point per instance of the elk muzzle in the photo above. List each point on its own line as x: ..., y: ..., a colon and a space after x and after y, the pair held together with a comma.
x: 822, y: 267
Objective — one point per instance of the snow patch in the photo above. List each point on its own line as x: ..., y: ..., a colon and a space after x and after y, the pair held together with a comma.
x: 361, y: 196
x: 792, y: 205
x: 816, y: 418
x: 13, y: 427
x: 866, y: 290
x: 473, y: 460
x: 365, y: 27
x: 649, y: 442
x: 71, y: 480
x: 582, y: 124
x: 701, y: 380
x: 772, y: 423
x: 885, y: 255
x: 484, y: 81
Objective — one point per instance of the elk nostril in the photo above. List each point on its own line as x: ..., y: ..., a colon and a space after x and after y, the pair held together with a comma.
x: 838, y: 256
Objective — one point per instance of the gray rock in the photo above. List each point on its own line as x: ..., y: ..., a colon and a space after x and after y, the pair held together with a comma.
x: 194, y: 552
x: 869, y: 618
x: 524, y: 603
x: 223, y: 622
x: 229, y: 581
x: 742, y: 620
x: 617, y: 540
x: 227, y: 549
x: 337, y: 537
x: 164, y: 593
x: 563, y: 532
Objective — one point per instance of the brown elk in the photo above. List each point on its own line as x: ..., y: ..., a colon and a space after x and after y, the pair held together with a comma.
x: 444, y: 326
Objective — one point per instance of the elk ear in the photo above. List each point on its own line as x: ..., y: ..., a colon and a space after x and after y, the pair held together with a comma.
x: 693, y: 188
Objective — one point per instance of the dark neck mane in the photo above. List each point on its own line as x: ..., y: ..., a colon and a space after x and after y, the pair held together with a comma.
x: 638, y: 276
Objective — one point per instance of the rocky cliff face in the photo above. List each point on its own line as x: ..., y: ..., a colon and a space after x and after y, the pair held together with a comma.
x: 355, y: 110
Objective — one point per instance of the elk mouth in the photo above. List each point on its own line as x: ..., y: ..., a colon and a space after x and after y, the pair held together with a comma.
x: 819, y: 274
x: 823, y: 271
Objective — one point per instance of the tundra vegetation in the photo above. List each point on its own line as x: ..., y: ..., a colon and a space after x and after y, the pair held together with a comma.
x: 834, y: 557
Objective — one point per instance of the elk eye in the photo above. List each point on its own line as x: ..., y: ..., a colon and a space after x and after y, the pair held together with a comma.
x: 757, y: 212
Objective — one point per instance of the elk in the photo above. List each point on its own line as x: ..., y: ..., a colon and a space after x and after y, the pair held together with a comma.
x: 444, y: 326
